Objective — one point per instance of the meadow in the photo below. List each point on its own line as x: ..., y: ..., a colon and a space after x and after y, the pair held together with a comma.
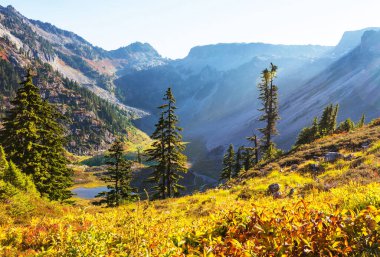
x: 334, y: 211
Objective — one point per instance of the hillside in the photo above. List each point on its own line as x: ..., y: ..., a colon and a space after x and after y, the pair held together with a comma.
x: 67, y: 72
x: 334, y: 210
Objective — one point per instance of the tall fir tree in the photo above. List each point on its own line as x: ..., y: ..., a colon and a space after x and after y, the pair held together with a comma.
x: 175, y: 159
x: 167, y: 151
x: 156, y: 154
x: 238, y: 161
x: 33, y: 140
x: 228, y: 164
x: 119, y: 175
x: 269, y: 99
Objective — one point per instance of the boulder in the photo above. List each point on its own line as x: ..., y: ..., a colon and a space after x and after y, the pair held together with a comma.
x: 273, y: 188
x: 333, y: 156
x: 277, y: 195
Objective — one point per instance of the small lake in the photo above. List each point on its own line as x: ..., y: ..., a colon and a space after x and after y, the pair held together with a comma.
x: 88, y: 193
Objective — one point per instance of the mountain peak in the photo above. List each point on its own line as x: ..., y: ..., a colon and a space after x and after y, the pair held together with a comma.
x: 351, y: 39
x: 370, y: 41
x: 134, y: 48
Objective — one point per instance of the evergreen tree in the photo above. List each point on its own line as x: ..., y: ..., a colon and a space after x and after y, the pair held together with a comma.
x: 167, y: 151
x: 251, y: 154
x: 327, y: 123
x: 175, y: 159
x: 156, y: 154
x: 119, y: 174
x: 228, y: 163
x: 238, y: 161
x: 247, y: 158
x: 33, y: 140
x: 139, y: 159
x: 3, y: 163
x: 19, y: 180
x: 361, y: 122
x: 269, y: 98
x: 346, y: 126
x: 309, y: 134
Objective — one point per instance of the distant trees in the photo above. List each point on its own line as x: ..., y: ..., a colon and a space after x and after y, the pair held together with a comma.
x: 238, y: 161
x: 361, y: 121
x: 346, y: 126
x: 33, y: 140
x: 269, y: 99
x: 327, y: 125
x: 119, y: 175
x: 228, y: 164
x: 167, y: 151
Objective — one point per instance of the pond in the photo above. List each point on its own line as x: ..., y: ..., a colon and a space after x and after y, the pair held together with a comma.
x: 88, y: 193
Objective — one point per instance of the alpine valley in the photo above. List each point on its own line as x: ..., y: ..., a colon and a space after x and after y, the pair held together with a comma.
x: 237, y: 149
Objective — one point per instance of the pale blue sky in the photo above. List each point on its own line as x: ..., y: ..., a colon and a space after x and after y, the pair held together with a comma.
x: 174, y: 26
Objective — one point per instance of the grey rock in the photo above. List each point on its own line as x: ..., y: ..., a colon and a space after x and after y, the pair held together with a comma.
x: 273, y: 188
x: 333, y: 156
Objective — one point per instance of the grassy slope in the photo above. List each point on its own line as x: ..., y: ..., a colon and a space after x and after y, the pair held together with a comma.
x: 327, y: 214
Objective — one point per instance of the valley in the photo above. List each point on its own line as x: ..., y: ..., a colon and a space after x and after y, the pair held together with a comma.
x: 236, y: 149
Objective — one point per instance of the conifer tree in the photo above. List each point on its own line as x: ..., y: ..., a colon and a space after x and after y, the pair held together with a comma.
x: 175, y: 159
x: 167, y: 151
x: 119, y: 175
x: 3, y: 163
x: 247, y: 158
x: 309, y: 134
x: 361, y: 122
x: 228, y: 163
x: 33, y: 140
x: 327, y: 123
x: 139, y: 159
x: 269, y: 99
x: 346, y: 126
x: 156, y: 154
x: 238, y: 161
x: 18, y: 179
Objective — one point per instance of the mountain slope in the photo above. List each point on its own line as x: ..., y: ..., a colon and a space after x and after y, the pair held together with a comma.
x: 334, y: 209
x: 94, y: 114
x: 351, y: 81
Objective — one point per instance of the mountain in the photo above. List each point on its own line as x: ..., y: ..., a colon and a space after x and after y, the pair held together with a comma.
x: 352, y: 82
x: 216, y: 90
x: 74, y: 75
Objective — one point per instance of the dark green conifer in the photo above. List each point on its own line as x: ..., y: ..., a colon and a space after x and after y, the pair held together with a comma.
x: 167, y: 151
x: 346, y: 126
x: 156, y: 154
x: 238, y: 161
x: 269, y: 99
x: 33, y: 140
x: 3, y: 162
x: 228, y: 163
x: 327, y: 123
x: 119, y: 175
x: 361, y: 122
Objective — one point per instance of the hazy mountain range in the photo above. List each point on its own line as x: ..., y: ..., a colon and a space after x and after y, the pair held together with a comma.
x: 215, y: 85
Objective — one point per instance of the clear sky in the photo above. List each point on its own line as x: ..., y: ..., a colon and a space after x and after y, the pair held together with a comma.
x: 174, y: 26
